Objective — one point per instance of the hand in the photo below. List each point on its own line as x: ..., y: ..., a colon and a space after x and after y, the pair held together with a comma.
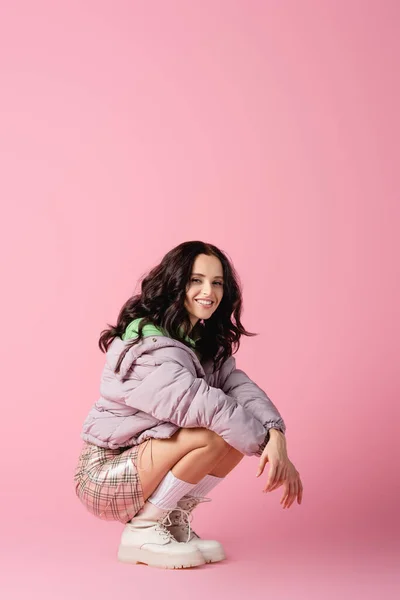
x: 281, y: 472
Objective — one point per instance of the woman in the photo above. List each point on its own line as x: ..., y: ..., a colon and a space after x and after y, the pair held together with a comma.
x: 171, y: 395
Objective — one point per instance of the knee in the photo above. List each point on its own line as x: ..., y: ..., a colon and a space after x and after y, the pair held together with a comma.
x: 204, y: 437
x: 215, y: 440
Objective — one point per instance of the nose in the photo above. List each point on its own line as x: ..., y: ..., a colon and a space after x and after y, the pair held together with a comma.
x: 206, y: 290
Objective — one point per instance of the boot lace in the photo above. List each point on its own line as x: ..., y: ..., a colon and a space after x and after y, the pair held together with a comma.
x: 182, y: 520
x: 182, y: 517
x: 161, y: 527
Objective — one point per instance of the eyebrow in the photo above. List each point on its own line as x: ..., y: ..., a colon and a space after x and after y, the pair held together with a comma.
x: 201, y: 275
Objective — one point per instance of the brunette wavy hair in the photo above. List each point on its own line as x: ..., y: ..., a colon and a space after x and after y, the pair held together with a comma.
x: 161, y: 302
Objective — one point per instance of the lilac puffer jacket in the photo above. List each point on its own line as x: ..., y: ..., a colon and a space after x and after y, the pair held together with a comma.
x: 162, y: 386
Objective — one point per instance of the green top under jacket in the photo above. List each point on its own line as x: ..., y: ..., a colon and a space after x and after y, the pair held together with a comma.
x: 149, y: 329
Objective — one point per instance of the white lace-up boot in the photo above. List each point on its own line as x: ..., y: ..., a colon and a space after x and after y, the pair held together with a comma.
x: 180, y: 528
x: 146, y: 539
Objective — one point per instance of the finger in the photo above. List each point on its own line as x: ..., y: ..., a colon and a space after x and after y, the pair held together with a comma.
x: 285, y: 492
x: 271, y: 477
x: 291, y: 495
x: 282, y: 477
x: 300, y: 494
x: 261, y: 466
x: 278, y: 484
x: 279, y: 477
x: 295, y: 490
x: 276, y: 476
x: 290, y: 492
x: 280, y: 480
x: 275, y: 486
x: 284, y: 497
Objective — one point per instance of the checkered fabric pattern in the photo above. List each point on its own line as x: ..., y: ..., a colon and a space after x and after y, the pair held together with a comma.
x: 107, y: 482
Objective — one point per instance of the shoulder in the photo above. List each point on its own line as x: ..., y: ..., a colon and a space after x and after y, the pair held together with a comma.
x: 228, y: 365
x: 164, y: 349
x: 153, y: 351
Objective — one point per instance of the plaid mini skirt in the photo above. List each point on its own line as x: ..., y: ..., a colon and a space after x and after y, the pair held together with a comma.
x: 107, y: 482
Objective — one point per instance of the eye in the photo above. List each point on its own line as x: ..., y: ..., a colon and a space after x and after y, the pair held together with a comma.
x: 218, y: 282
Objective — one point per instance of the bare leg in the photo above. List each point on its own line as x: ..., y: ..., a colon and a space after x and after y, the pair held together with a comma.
x: 190, y: 454
x: 227, y: 463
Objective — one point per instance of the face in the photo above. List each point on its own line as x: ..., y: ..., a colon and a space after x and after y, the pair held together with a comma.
x: 206, y: 282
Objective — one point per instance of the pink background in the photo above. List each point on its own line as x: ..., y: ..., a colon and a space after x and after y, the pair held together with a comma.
x: 272, y: 130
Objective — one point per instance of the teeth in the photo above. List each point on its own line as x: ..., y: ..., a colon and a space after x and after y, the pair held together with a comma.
x: 204, y: 302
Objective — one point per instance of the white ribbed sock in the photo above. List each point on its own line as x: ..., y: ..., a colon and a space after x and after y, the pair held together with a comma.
x: 205, y: 485
x: 169, y: 491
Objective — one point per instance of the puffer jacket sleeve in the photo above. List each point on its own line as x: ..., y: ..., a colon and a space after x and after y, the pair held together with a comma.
x: 172, y: 393
x: 235, y: 383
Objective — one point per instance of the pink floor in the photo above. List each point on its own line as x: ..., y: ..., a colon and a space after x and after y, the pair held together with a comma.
x: 75, y: 557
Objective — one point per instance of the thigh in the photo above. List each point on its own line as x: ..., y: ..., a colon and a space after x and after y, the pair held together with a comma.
x: 156, y: 457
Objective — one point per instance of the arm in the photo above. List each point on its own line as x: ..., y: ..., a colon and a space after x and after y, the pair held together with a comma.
x: 235, y: 383
x: 172, y: 393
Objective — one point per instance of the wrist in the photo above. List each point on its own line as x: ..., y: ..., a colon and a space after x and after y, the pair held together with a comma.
x: 275, y: 432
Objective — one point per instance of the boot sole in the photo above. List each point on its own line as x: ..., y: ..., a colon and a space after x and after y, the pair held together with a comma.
x: 215, y: 557
x: 137, y: 555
